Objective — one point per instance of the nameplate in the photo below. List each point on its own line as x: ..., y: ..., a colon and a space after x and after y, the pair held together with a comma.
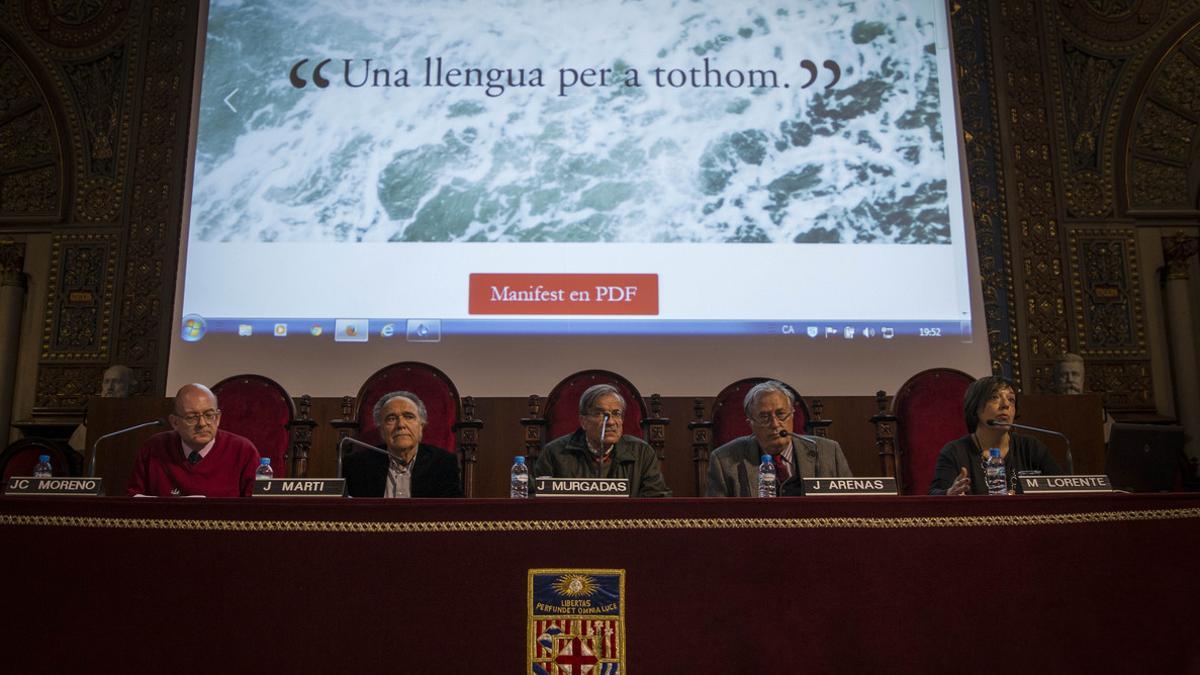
x: 849, y: 486
x: 300, y: 487
x: 581, y: 487
x: 28, y: 485
x: 1062, y: 484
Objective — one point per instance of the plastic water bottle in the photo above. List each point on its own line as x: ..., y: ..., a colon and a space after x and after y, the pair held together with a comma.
x: 994, y: 469
x: 519, y: 486
x: 265, y: 472
x: 766, y: 478
x: 43, y: 468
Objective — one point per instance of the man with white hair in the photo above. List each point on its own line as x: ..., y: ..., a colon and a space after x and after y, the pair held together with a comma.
x: 402, y: 466
x: 770, y: 408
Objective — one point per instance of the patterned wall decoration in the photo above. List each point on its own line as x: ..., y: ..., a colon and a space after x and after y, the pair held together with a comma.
x: 156, y: 206
x: 31, y: 176
x: 1164, y: 150
x: 985, y: 166
x: 1092, y: 78
x: 1033, y: 199
x: 1088, y: 91
x: 1108, y: 317
x: 82, y: 278
x: 118, y: 75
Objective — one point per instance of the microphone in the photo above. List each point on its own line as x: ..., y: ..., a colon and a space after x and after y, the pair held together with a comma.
x: 1026, y: 427
x: 812, y: 445
x: 96, y: 446
x: 603, y: 429
x: 341, y: 447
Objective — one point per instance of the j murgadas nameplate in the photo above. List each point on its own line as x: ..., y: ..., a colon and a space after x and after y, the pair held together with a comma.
x: 848, y: 487
x: 1063, y: 484
x: 581, y: 487
x: 28, y: 485
x: 300, y: 487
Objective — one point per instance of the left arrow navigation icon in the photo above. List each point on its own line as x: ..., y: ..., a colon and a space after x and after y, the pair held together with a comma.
x: 226, y: 99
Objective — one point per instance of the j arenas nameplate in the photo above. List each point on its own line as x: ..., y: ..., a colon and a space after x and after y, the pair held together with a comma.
x: 581, y: 487
x: 845, y: 487
x: 1064, y: 484
x: 300, y: 487
x: 28, y: 485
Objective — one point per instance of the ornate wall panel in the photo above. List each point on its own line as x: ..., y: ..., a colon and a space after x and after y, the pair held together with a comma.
x: 165, y: 88
x: 31, y: 174
x: 1095, y: 52
x: 1163, y: 154
x: 1106, y: 289
x: 984, y: 157
x: 118, y: 79
x: 1033, y: 200
x: 82, y: 278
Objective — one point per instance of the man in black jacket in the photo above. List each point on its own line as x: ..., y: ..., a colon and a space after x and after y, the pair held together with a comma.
x: 403, y: 466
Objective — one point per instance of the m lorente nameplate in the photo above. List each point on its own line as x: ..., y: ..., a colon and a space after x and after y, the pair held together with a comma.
x: 848, y: 487
x: 1063, y: 484
x: 581, y: 487
x: 28, y: 485
x: 300, y: 487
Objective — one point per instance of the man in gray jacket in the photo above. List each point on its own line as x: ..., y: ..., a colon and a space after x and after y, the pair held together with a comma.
x: 598, y: 450
x: 733, y: 467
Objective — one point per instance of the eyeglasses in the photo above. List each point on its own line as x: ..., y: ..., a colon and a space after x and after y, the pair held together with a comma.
x: 613, y: 414
x: 765, y: 418
x: 208, y: 416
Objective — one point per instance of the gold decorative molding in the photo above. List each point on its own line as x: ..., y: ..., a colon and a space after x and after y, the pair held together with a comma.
x: 596, y: 524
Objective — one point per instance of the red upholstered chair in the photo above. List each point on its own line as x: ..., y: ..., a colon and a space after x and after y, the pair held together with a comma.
x: 19, y: 458
x: 927, y: 413
x: 561, y: 415
x: 729, y: 421
x: 452, y: 425
x: 258, y: 408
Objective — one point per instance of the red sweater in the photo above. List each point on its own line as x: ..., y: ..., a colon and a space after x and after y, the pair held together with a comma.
x: 162, y: 470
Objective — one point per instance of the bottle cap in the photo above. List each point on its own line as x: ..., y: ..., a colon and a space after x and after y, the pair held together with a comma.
x: 994, y: 452
x: 519, y: 459
x: 766, y: 459
x: 43, y: 458
x: 265, y: 461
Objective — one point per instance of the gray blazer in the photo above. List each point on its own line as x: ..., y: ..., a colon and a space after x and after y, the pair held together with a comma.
x: 733, y: 467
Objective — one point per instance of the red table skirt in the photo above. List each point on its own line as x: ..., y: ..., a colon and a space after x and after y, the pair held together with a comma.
x: 1099, y: 583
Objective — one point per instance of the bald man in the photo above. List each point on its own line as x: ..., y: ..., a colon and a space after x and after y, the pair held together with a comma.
x: 196, y: 458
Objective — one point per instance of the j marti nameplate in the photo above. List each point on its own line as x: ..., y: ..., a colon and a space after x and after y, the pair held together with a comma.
x: 848, y: 487
x: 581, y: 487
x: 1063, y: 484
x: 28, y: 485
x: 300, y: 487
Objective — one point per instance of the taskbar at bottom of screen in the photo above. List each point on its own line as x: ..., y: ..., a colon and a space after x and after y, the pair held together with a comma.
x: 194, y: 328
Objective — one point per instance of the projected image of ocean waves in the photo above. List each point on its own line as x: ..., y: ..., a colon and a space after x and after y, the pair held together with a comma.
x: 702, y: 152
